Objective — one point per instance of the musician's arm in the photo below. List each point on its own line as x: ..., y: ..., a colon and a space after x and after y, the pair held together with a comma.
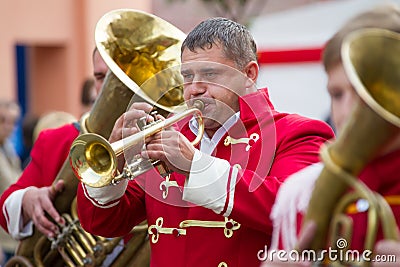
x: 102, y: 211
x: 47, y: 157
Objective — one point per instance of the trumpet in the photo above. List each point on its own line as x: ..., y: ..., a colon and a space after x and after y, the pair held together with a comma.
x: 94, y: 159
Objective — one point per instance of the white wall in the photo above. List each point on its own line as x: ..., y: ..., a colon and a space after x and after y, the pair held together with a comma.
x: 298, y: 88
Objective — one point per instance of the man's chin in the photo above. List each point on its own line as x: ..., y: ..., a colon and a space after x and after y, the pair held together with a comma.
x: 210, y: 124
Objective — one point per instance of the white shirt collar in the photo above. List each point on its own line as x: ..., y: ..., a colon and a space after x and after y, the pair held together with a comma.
x: 208, y: 145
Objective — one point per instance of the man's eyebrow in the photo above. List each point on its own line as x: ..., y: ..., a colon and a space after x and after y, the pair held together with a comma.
x: 201, y: 70
x: 208, y: 69
x: 186, y: 71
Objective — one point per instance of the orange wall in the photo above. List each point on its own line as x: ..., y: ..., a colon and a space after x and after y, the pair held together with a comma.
x: 60, y: 40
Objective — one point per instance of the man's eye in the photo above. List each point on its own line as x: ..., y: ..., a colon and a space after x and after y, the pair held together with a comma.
x: 210, y: 74
x: 336, y: 95
x: 187, y: 77
x: 100, y: 78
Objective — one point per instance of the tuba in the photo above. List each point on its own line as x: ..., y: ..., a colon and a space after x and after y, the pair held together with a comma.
x: 370, y: 61
x: 135, y: 46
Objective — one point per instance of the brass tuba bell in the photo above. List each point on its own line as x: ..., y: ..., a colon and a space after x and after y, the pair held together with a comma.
x: 371, y: 61
x: 135, y: 46
x: 150, y: 54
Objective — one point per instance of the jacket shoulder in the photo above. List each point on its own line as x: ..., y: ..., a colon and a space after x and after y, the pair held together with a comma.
x: 297, y: 124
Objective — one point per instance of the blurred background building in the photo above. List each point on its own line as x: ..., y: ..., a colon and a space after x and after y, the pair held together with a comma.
x: 46, y: 46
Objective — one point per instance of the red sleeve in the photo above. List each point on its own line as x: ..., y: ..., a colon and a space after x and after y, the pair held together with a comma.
x: 118, y: 221
x: 298, y: 142
x: 47, y: 156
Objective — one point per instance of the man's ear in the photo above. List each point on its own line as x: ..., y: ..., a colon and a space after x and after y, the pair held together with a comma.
x: 251, y: 70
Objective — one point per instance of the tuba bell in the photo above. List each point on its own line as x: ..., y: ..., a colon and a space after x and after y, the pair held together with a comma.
x: 370, y: 60
x: 135, y: 46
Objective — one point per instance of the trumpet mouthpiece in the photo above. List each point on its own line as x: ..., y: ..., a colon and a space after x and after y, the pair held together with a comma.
x: 198, y: 104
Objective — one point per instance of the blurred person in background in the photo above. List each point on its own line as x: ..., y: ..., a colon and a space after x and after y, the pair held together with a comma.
x: 28, y: 125
x: 32, y: 125
x: 10, y: 164
x: 380, y: 175
x: 52, y: 120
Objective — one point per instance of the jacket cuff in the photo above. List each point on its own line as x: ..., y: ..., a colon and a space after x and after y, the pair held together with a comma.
x: 105, y: 197
x: 12, y: 210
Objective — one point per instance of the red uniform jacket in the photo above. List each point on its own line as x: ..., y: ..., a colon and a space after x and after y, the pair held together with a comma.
x: 185, y: 234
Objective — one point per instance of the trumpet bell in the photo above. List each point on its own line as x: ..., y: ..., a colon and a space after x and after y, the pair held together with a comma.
x: 93, y: 161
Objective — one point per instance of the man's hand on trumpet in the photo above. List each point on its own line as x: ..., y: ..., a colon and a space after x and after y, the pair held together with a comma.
x: 172, y: 148
x: 169, y: 145
x: 126, y: 124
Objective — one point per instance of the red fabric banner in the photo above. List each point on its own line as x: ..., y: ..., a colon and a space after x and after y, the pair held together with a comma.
x: 290, y: 55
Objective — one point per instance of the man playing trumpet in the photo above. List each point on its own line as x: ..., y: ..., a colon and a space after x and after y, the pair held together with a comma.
x: 221, y: 191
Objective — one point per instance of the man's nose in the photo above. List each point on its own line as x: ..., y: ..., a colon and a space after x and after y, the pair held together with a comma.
x: 196, y: 88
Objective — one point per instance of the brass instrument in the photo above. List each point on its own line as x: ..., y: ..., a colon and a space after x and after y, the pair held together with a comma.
x: 371, y: 61
x: 135, y: 46
x: 94, y: 159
